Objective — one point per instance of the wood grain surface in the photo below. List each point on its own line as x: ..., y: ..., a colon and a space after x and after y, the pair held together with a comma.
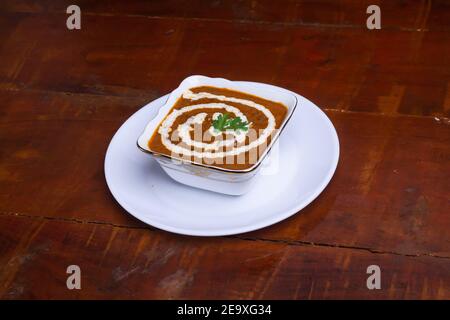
x: 64, y: 93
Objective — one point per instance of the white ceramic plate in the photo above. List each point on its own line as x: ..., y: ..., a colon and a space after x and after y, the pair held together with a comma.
x: 308, y: 156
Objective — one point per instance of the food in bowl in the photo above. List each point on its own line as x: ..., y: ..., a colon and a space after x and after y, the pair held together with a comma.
x: 219, y: 127
x: 214, y: 134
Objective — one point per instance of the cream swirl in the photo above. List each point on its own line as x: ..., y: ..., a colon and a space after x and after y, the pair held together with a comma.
x: 185, y: 128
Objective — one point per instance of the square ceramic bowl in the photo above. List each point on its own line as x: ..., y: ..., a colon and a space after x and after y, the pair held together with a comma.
x: 209, y: 177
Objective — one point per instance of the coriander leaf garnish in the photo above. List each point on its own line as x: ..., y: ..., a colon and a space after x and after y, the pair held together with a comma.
x: 220, y: 122
x: 224, y: 122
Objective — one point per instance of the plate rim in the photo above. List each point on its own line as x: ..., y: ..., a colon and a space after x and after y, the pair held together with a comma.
x: 228, y: 231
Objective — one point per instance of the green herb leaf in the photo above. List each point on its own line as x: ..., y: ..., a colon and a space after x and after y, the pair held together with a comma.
x: 224, y: 122
x: 220, y: 122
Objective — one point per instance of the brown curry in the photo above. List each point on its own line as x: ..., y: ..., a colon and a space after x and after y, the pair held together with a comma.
x: 218, y: 127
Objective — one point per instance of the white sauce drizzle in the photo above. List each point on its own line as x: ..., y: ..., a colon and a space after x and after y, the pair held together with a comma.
x: 184, y: 129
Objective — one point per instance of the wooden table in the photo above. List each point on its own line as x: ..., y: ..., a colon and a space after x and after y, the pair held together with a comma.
x: 64, y: 93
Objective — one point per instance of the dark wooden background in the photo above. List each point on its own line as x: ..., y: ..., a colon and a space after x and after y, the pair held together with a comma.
x: 64, y: 93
